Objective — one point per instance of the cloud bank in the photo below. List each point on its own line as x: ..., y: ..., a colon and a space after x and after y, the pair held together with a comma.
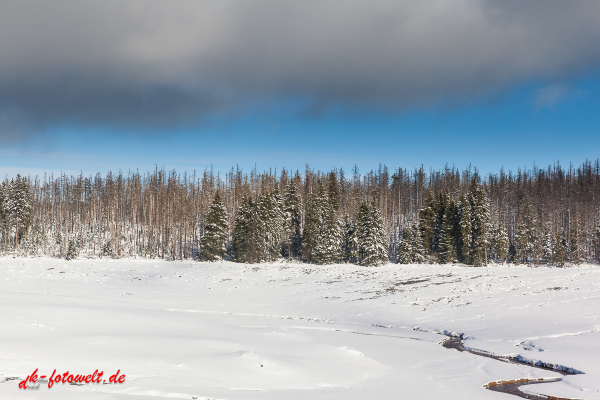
x: 146, y: 63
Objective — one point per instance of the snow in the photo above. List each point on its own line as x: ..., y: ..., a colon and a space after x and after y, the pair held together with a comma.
x: 294, y: 331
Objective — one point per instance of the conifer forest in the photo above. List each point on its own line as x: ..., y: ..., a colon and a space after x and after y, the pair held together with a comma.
x: 539, y: 215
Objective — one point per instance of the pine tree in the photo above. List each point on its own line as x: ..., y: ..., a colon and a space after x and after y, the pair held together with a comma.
x: 480, y: 220
x: 512, y: 252
x: 271, y: 217
x: 243, y: 246
x: 107, y: 249
x: 560, y: 249
x: 416, y: 244
x: 214, y: 238
x: 292, y: 242
x: 466, y: 231
x: 447, y: 236
x: 18, y: 206
x: 404, y: 251
x: 348, y: 241
x: 313, y: 222
x: 547, y: 247
x: 3, y: 193
x: 329, y: 242
x: 371, y: 240
x: 410, y: 247
x: 500, y: 242
x: 573, y: 254
x: 427, y: 222
x: 71, y: 251
x: 334, y: 192
x: 447, y: 246
x: 526, y: 237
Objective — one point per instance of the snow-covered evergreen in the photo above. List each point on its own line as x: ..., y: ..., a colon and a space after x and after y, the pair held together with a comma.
x: 329, y: 242
x: 292, y: 240
x: 410, y: 246
x: 447, y: 238
x: 313, y: 222
x: 349, y: 244
x: 526, y: 237
x: 371, y: 239
x: 499, y: 242
x: 466, y: 230
x: 214, y: 239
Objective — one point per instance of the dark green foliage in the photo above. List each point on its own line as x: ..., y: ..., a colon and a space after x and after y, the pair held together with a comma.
x: 334, y: 192
x: 329, y: 243
x: 547, y: 247
x: 348, y: 241
x: 427, y: 222
x: 292, y: 241
x: 71, y: 251
x: 448, y: 233
x: 512, y: 252
x: 248, y: 239
x: 214, y: 238
x: 271, y: 217
x: 313, y: 222
x: 560, y: 249
x: 526, y: 237
x: 573, y: 255
x: 17, y: 205
x: 371, y: 240
x: 258, y: 228
x: 480, y: 214
x: 466, y: 231
x: 499, y: 243
x: 410, y: 247
x: 107, y: 249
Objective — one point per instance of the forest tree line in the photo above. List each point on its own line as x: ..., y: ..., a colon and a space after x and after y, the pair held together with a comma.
x: 538, y: 215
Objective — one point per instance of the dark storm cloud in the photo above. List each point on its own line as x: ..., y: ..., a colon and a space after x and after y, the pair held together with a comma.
x: 161, y: 63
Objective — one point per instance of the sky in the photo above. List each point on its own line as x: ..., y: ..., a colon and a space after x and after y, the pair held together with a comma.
x: 127, y: 85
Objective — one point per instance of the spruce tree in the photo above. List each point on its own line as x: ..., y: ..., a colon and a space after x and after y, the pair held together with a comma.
x: 447, y: 246
x: 271, y: 217
x: 480, y: 220
x: 3, y: 192
x: 500, y: 242
x: 447, y: 237
x: 573, y: 255
x: 526, y: 237
x: 348, y: 241
x: 560, y: 249
x: 427, y: 222
x: 547, y: 247
x: 241, y: 231
x: 416, y: 244
x: 466, y: 231
x: 334, y: 191
x: 329, y: 243
x: 313, y: 222
x: 292, y: 242
x: 371, y: 240
x: 214, y: 238
x: 71, y: 251
x: 410, y: 246
x: 18, y: 206
x: 404, y: 250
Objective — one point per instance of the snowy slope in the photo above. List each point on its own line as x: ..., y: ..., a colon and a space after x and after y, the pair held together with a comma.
x: 293, y: 331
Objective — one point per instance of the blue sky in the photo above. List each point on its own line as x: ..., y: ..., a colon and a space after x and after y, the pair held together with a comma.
x: 514, y: 130
x: 520, y: 103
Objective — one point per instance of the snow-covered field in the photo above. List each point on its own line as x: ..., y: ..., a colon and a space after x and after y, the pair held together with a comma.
x: 292, y: 331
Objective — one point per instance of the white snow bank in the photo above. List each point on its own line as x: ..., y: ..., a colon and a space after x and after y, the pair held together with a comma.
x: 294, y: 331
